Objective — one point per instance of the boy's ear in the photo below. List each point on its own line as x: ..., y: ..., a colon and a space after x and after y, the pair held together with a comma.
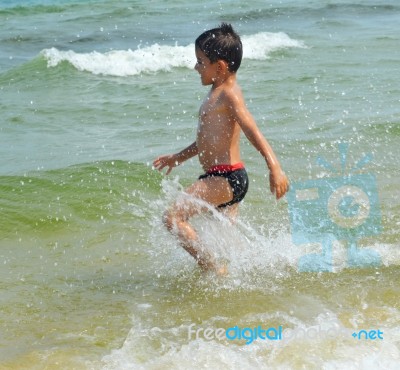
x: 222, y: 65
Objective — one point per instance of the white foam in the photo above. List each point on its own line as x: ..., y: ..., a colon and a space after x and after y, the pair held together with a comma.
x: 124, y: 62
x: 261, y: 45
x: 156, y: 58
x: 324, y: 343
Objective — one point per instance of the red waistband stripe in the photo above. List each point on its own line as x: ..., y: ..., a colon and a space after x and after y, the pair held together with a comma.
x: 221, y: 168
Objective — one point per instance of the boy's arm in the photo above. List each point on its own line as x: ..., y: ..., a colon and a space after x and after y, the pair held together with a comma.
x: 279, y: 183
x: 173, y: 160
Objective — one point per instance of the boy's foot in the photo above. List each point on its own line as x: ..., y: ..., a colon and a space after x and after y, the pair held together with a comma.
x: 222, y: 270
x: 219, y: 270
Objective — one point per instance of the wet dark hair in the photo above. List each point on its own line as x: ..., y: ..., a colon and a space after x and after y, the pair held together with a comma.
x: 222, y: 43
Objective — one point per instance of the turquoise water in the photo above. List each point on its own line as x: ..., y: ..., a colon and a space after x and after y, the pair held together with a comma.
x: 92, y: 91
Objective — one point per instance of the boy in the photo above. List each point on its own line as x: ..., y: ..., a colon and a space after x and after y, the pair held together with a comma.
x: 222, y: 116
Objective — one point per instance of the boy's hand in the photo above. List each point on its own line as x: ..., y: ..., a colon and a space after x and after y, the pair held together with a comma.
x: 169, y: 161
x: 278, y: 182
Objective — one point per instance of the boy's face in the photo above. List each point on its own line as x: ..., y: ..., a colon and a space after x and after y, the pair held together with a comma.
x: 206, y: 69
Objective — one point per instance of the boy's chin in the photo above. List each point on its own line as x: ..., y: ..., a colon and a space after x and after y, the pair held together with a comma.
x: 206, y: 83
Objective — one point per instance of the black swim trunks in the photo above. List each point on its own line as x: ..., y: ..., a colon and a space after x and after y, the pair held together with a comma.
x: 237, y: 178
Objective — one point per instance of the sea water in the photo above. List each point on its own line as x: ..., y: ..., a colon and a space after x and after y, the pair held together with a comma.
x: 92, y: 91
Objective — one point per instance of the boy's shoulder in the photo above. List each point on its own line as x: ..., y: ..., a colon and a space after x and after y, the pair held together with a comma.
x: 231, y: 95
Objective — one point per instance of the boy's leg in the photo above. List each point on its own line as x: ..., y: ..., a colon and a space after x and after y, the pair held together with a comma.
x: 231, y: 212
x: 214, y: 191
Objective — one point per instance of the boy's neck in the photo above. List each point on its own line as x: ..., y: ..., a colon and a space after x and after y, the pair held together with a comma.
x: 228, y: 78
